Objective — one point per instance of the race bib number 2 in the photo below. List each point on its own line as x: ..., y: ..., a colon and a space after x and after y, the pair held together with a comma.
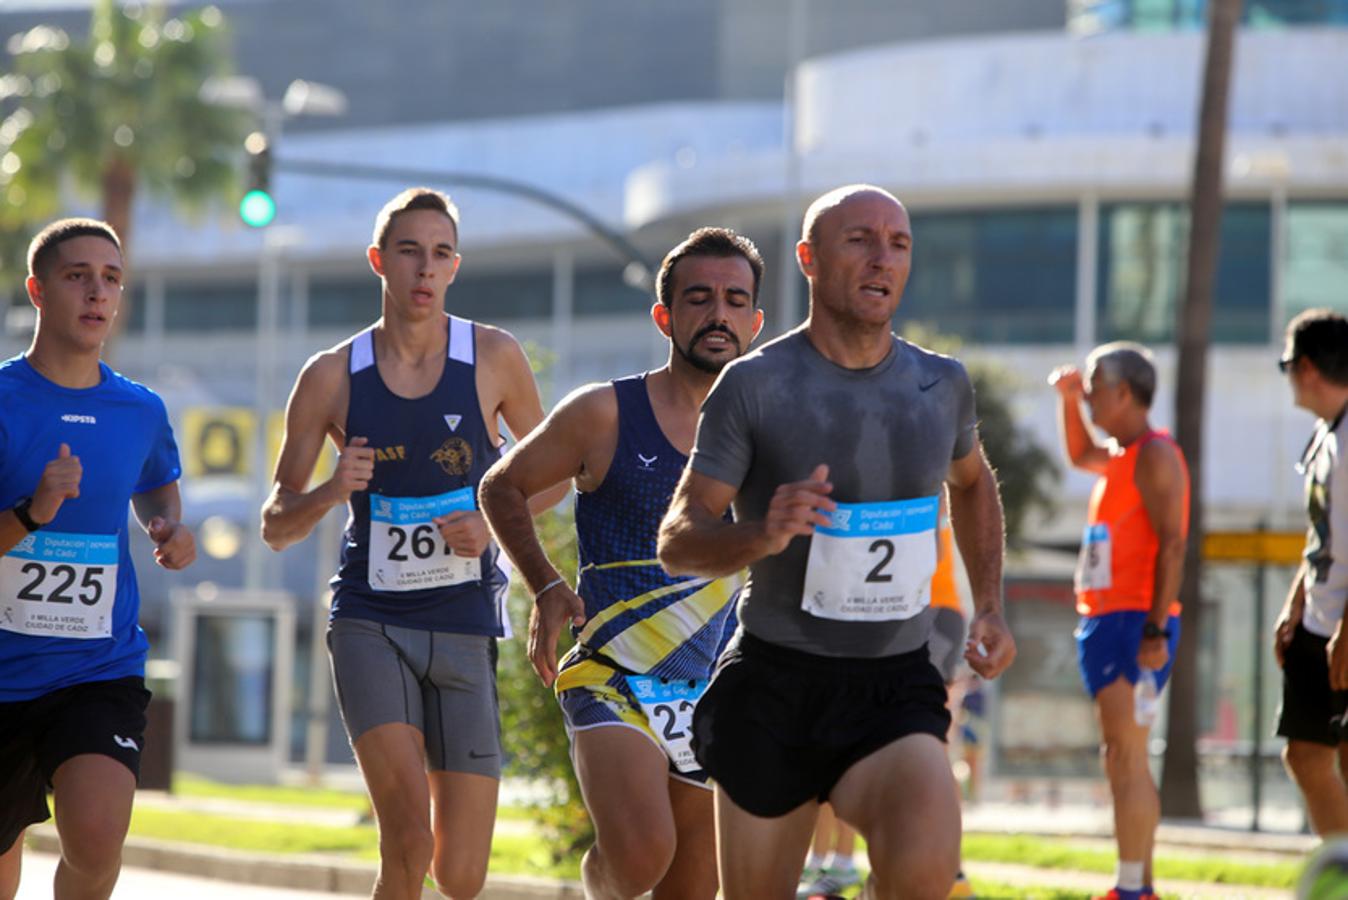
x: 874, y: 561
x: 56, y: 584
x: 668, y: 705
x: 407, y: 552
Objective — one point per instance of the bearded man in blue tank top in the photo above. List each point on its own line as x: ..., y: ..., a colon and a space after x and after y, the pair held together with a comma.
x: 645, y: 641
x: 412, y: 404
x: 834, y: 443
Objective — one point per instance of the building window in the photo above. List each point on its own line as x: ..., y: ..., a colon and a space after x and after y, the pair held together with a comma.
x: 602, y: 292
x: 213, y: 306
x: 994, y: 277
x: 1315, y: 265
x: 343, y: 303
x: 1090, y: 16
x: 1143, y: 253
x: 487, y: 297
x: 497, y: 296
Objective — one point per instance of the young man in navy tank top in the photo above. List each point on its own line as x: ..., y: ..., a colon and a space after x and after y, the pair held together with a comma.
x: 646, y: 641
x: 412, y: 404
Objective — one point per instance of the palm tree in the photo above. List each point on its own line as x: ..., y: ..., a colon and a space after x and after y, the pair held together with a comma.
x: 1179, y: 785
x: 115, y: 114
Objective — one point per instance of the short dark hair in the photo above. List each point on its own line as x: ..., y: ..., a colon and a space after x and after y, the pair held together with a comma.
x: 408, y: 200
x: 42, y: 249
x: 1321, y: 335
x: 717, y: 242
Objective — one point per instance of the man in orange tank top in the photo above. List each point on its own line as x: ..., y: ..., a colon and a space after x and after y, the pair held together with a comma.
x: 1127, y: 579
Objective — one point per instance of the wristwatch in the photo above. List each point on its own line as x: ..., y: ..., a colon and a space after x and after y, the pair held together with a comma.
x: 25, y: 518
x: 1152, y: 630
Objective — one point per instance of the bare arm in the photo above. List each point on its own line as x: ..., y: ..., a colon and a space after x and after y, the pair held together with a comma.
x: 549, y: 455
x: 976, y: 516
x: 291, y: 512
x: 1082, y: 450
x: 552, y: 453
x: 160, y: 513
x: 1290, y: 617
x: 1160, y: 480
x: 696, y: 540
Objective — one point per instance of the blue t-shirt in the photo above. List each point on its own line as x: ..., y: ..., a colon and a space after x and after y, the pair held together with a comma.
x: 59, y: 579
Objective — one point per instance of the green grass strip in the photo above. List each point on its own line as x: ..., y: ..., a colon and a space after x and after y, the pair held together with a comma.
x: 514, y: 854
x: 250, y: 834
x: 1060, y: 853
x: 193, y: 786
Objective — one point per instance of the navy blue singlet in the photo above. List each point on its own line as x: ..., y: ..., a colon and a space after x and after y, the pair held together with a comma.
x: 430, y: 454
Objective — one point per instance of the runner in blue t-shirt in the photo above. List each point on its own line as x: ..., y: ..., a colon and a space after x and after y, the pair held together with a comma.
x: 78, y: 442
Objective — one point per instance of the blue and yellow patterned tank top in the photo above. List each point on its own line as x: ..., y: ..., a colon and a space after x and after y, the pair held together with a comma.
x: 637, y: 616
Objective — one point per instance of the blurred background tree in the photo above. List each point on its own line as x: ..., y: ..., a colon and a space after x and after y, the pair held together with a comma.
x: 116, y: 113
x: 532, y: 728
x: 1027, y: 472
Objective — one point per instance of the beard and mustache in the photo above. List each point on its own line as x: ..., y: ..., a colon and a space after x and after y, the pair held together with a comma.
x: 703, y: 363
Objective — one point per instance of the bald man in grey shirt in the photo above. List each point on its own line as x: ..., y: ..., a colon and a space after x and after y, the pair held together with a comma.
x: 833, y: 442
x: 886, y: 433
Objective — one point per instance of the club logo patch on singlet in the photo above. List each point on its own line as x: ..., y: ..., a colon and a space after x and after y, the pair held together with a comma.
x: 407, y: 552
x: 57, y: 584
x: 668, y: 705
x: 874, y: 561
x: 455, y: 456
x: 1095, y: 566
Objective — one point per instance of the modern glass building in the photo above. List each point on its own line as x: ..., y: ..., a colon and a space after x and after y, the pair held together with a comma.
x: 1044, y: 150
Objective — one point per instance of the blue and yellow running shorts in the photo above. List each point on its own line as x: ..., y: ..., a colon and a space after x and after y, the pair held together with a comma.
x: 594, y: 693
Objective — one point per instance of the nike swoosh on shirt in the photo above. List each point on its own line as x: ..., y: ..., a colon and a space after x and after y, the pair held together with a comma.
x: 927, y: 387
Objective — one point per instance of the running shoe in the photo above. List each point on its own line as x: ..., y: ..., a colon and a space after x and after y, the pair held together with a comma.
x: 833, y: 881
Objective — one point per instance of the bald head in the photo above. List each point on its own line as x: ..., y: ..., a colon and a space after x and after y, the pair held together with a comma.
x: 836, y: 198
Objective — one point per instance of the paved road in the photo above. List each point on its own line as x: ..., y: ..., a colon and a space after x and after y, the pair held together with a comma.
x: 143, y: 884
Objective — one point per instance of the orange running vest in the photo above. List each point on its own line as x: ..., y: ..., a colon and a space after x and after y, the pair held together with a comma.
x: 1117, y: 568
x: 943, y: 590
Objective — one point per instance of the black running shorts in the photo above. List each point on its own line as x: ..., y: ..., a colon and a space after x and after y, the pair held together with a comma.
x: 778, y: 727
x: 102, y: 717
x: 1310, y: 711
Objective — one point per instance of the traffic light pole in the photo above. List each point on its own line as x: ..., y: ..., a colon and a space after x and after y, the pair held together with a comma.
x: 361, y: 172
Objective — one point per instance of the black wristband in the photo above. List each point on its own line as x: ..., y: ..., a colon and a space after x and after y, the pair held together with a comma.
x: 1152, y: 630
x: 25, y: 518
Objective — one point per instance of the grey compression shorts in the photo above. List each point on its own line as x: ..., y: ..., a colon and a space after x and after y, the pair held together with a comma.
x: 441, y: 683
x: 946, y: 642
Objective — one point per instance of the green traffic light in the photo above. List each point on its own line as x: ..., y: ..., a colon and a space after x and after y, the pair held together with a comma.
x: 257, y: 208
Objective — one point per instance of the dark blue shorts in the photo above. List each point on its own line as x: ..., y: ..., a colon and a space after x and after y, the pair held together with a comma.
x: 1107, y: 648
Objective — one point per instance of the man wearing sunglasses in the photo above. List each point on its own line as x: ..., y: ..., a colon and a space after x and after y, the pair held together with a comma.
x: 1308, y: 639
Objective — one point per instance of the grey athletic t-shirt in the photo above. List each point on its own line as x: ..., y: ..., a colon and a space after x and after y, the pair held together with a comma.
x: 886, y: 433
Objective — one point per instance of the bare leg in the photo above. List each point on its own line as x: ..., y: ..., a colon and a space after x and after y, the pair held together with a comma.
x: 1137, y: 805
x: 902, y: 800
x: 11, y: 865
x: 1311, y: 766
x: 692, y: 873
x: 624, y: 778
x: 93, y: 796
x: 392, y: 759
x: 758, y: 858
